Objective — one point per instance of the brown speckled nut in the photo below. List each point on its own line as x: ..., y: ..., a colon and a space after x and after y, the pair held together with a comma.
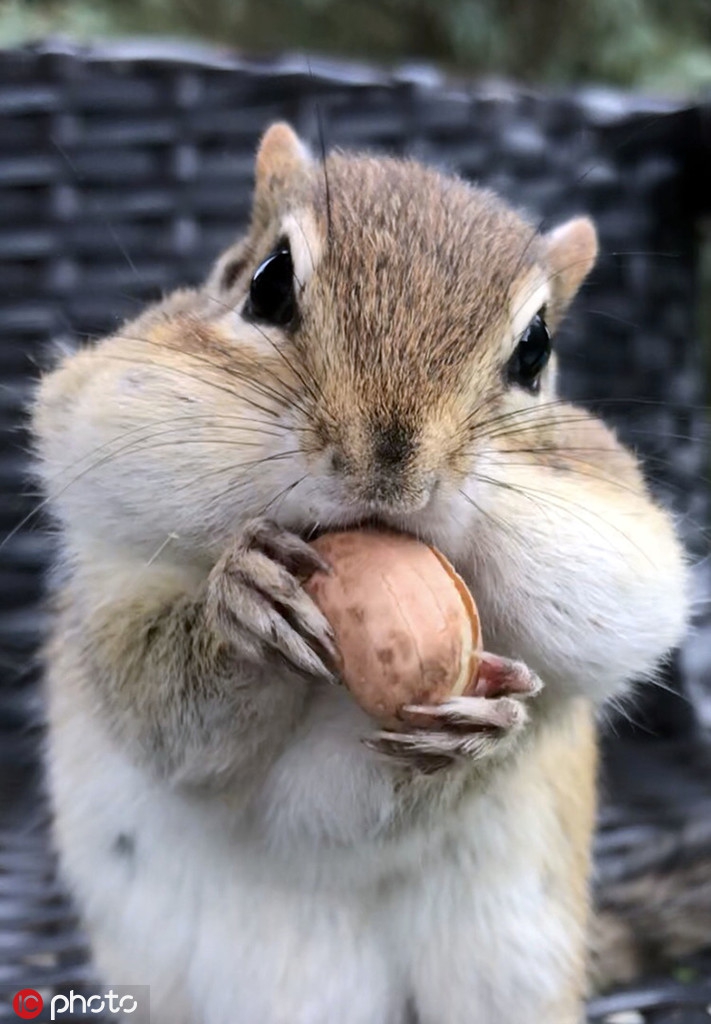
x: 405, y: 623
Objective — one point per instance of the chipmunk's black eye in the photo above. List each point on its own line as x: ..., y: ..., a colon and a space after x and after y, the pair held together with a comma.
x: 530, y: 356
x: 271, y: 291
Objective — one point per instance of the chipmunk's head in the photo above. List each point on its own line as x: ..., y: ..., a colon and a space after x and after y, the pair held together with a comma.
x: 412, y: 310
x: 377, y: 334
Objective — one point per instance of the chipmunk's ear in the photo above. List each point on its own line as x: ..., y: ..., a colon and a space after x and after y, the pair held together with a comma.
x: 570, y: 251
x: 281, y: 155
x: 282, y: 167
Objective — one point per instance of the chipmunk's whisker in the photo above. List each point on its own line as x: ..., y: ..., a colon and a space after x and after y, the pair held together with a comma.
x: 542, y: 498
x: 228, y: 470
x: 137, y: 445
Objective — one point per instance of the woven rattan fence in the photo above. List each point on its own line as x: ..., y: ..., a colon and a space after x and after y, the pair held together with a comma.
x: 125, y: 169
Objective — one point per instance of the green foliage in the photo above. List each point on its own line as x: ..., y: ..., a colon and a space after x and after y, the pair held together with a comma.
x: 656, y: 44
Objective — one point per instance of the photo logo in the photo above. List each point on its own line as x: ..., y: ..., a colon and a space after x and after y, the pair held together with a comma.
x: 28, y: 1004
x: 120, y: 1003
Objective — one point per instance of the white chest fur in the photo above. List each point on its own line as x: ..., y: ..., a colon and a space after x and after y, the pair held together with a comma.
x: 311, y: 900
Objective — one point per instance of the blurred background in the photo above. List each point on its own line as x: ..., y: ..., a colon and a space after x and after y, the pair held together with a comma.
x: 660, y: 45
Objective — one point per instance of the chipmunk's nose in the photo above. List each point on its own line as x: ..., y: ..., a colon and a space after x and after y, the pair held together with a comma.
x: 393, y: 445
x: 386, y: 474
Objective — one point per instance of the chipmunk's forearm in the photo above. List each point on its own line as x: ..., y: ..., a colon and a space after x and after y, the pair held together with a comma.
x: 173, y: 689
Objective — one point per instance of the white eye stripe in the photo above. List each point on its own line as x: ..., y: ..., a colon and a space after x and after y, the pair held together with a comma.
x: 528, y: 299
x: 305, y: 244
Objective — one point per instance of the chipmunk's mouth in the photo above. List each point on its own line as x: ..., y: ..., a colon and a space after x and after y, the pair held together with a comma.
x: 371, y: 522
x: 318, y: 529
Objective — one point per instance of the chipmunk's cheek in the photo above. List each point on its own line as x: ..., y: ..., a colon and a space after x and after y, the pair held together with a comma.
x: 479, y: 472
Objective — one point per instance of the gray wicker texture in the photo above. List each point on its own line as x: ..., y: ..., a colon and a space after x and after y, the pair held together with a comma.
x: 125, y: 170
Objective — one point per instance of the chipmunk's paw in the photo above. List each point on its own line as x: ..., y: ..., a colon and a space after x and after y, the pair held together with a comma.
x: 484, y: 726
x: 257, y: 603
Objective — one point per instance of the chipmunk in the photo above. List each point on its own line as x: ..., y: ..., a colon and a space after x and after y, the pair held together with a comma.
x: 238, y: 834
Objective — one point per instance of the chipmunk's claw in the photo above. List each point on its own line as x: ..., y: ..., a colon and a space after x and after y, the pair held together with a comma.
x: 258, y: 602
x: 467, y: 728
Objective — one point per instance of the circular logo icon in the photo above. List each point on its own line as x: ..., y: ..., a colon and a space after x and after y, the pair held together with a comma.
x: 28, y: 1004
